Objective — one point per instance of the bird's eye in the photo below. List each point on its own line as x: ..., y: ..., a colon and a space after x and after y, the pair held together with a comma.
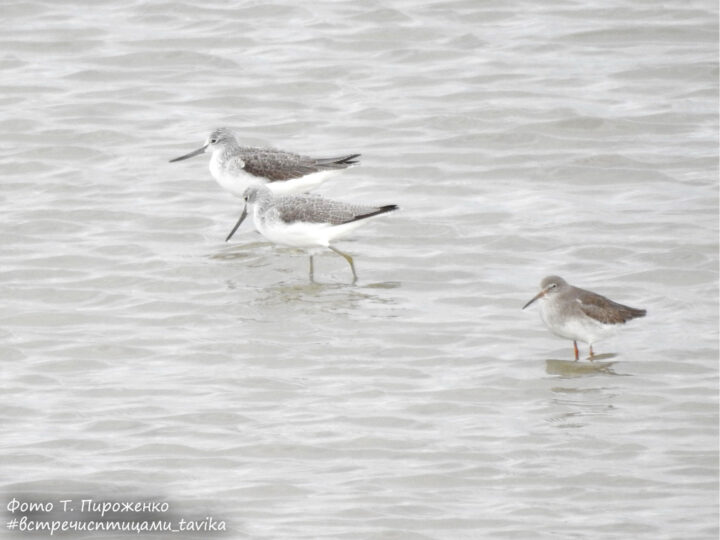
x: 213, y: 141
x: 553, y: 285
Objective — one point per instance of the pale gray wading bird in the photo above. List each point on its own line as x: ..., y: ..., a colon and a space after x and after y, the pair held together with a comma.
x: 580, y: 315
x: 305, y: 221
x: 237, y: 168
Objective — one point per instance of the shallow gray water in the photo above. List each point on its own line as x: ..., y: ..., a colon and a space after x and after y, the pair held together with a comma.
x: 143, y: 358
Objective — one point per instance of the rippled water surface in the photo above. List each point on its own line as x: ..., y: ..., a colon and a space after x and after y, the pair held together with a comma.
x: 142, y: 357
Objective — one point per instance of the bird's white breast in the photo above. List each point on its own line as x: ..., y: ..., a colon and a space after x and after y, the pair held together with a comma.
x: 572, y: 324
x: 236, y: 181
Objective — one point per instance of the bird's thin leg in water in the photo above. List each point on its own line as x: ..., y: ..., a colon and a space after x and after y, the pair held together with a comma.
x: 312, y: 270
x: 349, y: 259
x: 577, y: 353
x: 591, y: 353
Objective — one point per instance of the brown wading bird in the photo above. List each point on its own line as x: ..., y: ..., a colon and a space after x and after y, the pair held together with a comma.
x: 580, y: 315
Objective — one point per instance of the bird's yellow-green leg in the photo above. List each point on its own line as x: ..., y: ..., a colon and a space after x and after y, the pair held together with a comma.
x: 349, y: 259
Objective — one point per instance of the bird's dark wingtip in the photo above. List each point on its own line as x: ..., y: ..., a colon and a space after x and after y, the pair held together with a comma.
x: 381, y: 210
x: 633, y: 313
x: 339, y: 162
x: 351, y: 159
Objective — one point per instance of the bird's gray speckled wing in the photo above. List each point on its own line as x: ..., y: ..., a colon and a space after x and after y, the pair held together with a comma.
x: 314, y: 209
x: 277, y: 165
x: 233, y: 164
x: 605, y: 310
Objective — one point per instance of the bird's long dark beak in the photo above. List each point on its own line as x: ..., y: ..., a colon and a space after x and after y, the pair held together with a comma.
x: 538, y: 295
x: 235, y: 228
x: 191, y: 154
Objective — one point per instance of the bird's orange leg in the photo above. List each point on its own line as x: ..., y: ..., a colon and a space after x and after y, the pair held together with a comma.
x: 577, y: 353
x: 591, y: 353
